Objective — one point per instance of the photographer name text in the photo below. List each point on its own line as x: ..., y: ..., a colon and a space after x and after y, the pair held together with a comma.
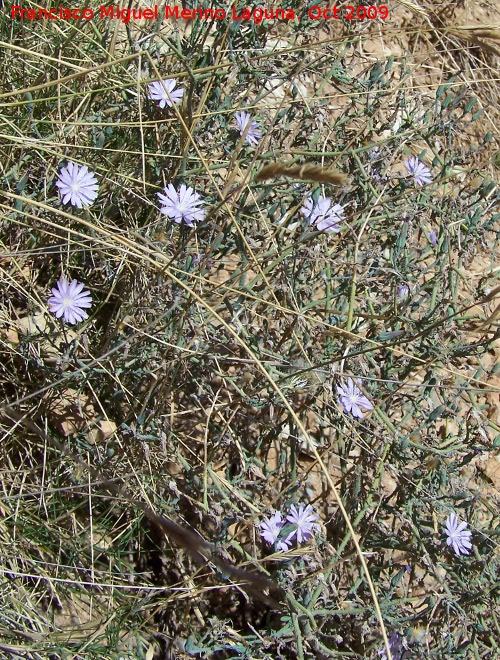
x: 256, y: 15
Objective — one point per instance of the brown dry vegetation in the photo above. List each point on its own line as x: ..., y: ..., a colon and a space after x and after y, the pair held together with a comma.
x: 178, y: 390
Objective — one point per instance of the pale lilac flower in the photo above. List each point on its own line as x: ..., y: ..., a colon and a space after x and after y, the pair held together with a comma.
x: 396, y: 647
x: 304, y: 518
x: 199, y: 258
x: 420, y: 172
x: 352, y: 399
x: 458, y: 536
x: 69, y: 301
x: 433, y: 238
x: 325, y: 216
x: 77, y: 185
x: 182, y: 205
x: 377, y: 176
x: 254, y: 134
x: 403, y: 291
x: 270, y: 531
x: 157, y: 92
